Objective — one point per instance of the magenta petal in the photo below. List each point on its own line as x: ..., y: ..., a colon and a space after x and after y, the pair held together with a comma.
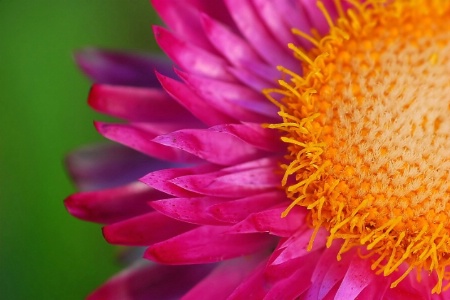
x: 316, y: 17
x: 206, y: 244
x: 239, y: 184
x: 108, y: 165
x: 271, y: 221
x: 182, y: 18
x: 254, y: 287
x: 118, y: 68
x: 196, y: 105
x: 112, y: 205
x: 160, y: 179
x: 222, y: 281
x: 216, y: 147
x: 191, y: 210
x: 151, y: 281
x: 140, y: 138
x: 234, y: 211
x: 144, y: 230
x: 138, y: 104
x: 296, y: 245
x: 192, y: 58
x: 254, y: 134
x: 233, y: 99
x: 358, y: 276
x: 255, y: 31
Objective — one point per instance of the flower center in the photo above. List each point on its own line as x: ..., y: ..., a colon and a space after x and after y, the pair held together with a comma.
x: 368, y: 132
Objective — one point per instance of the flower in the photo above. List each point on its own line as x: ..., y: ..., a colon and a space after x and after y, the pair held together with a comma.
x: 299, y: 151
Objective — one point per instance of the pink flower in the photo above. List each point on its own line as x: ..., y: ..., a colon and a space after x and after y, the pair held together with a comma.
x: 282, y: 159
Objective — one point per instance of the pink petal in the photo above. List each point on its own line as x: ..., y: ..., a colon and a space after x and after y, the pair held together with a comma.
x: 190, y: 57
x: 254, y: 134
x: 151, y: 281
x: 224, y: 279
x: 235, y: 100
x: 238, y: 184
x: 141, y: 138
x: 358, y: 276
x: 206, y: 244
x: 190, y: 210
x: 296, y: 245
x: 270, y: 221
x: 160, y: 180
x: 234, y: 211
x: 215, y: 147
x: 139, y: 104
x: 315, y: 15
x: 119, y: 68
x: 230, y: 45
x: 196, y: 105
x: 255, y: 287
x: 182, y: 18
x: 144, y: 230
x: 108, y: 165
x: 254, y: 30
x: 112, y: 205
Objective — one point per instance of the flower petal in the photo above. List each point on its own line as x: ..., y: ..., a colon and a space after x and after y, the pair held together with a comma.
x: 191, y: 210
x: 190, y: 57
x: 196, y: 105
x: 255, y: 31
x: 206, y: 244
x: 108, y: 165
x: 112, y: 205
x: 151, y: 281
x: 139, y: 104
x: 216, y: 147
x: 270, y: 221
x: 140, y: 137
x: 234, y: 211
x: 358, y: 276
x: 144, y: 230
x: 254, y: 134
x: 161, y: 179
x: 119, y: 68
x: 224, y: 279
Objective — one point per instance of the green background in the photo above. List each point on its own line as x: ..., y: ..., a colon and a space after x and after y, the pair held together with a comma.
x: 44, y: 252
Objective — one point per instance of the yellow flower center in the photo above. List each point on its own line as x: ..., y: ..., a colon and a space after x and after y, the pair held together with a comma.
x: 368, y: 132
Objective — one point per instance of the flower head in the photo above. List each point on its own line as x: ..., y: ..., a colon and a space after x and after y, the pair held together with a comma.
x: 298, y: 151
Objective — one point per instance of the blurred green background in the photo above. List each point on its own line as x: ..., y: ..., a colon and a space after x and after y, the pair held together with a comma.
x: 44, y: 252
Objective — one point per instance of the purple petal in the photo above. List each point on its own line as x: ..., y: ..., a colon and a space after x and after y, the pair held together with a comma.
x: 139, y: 105
x: 215, y: 147
x: 151, y: 281
x: 112, y: 205
x: 206, y: 244
x: 144, y: 230
x: 315, y: 15
x: 234, y: 211
x: 108, y: 165
x: 196, y: 105
x: 191, y: 210
x: 116, y: 68
x: 140, y: 137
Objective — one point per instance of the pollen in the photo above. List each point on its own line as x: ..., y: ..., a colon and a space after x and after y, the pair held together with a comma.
x: 367, y: 130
